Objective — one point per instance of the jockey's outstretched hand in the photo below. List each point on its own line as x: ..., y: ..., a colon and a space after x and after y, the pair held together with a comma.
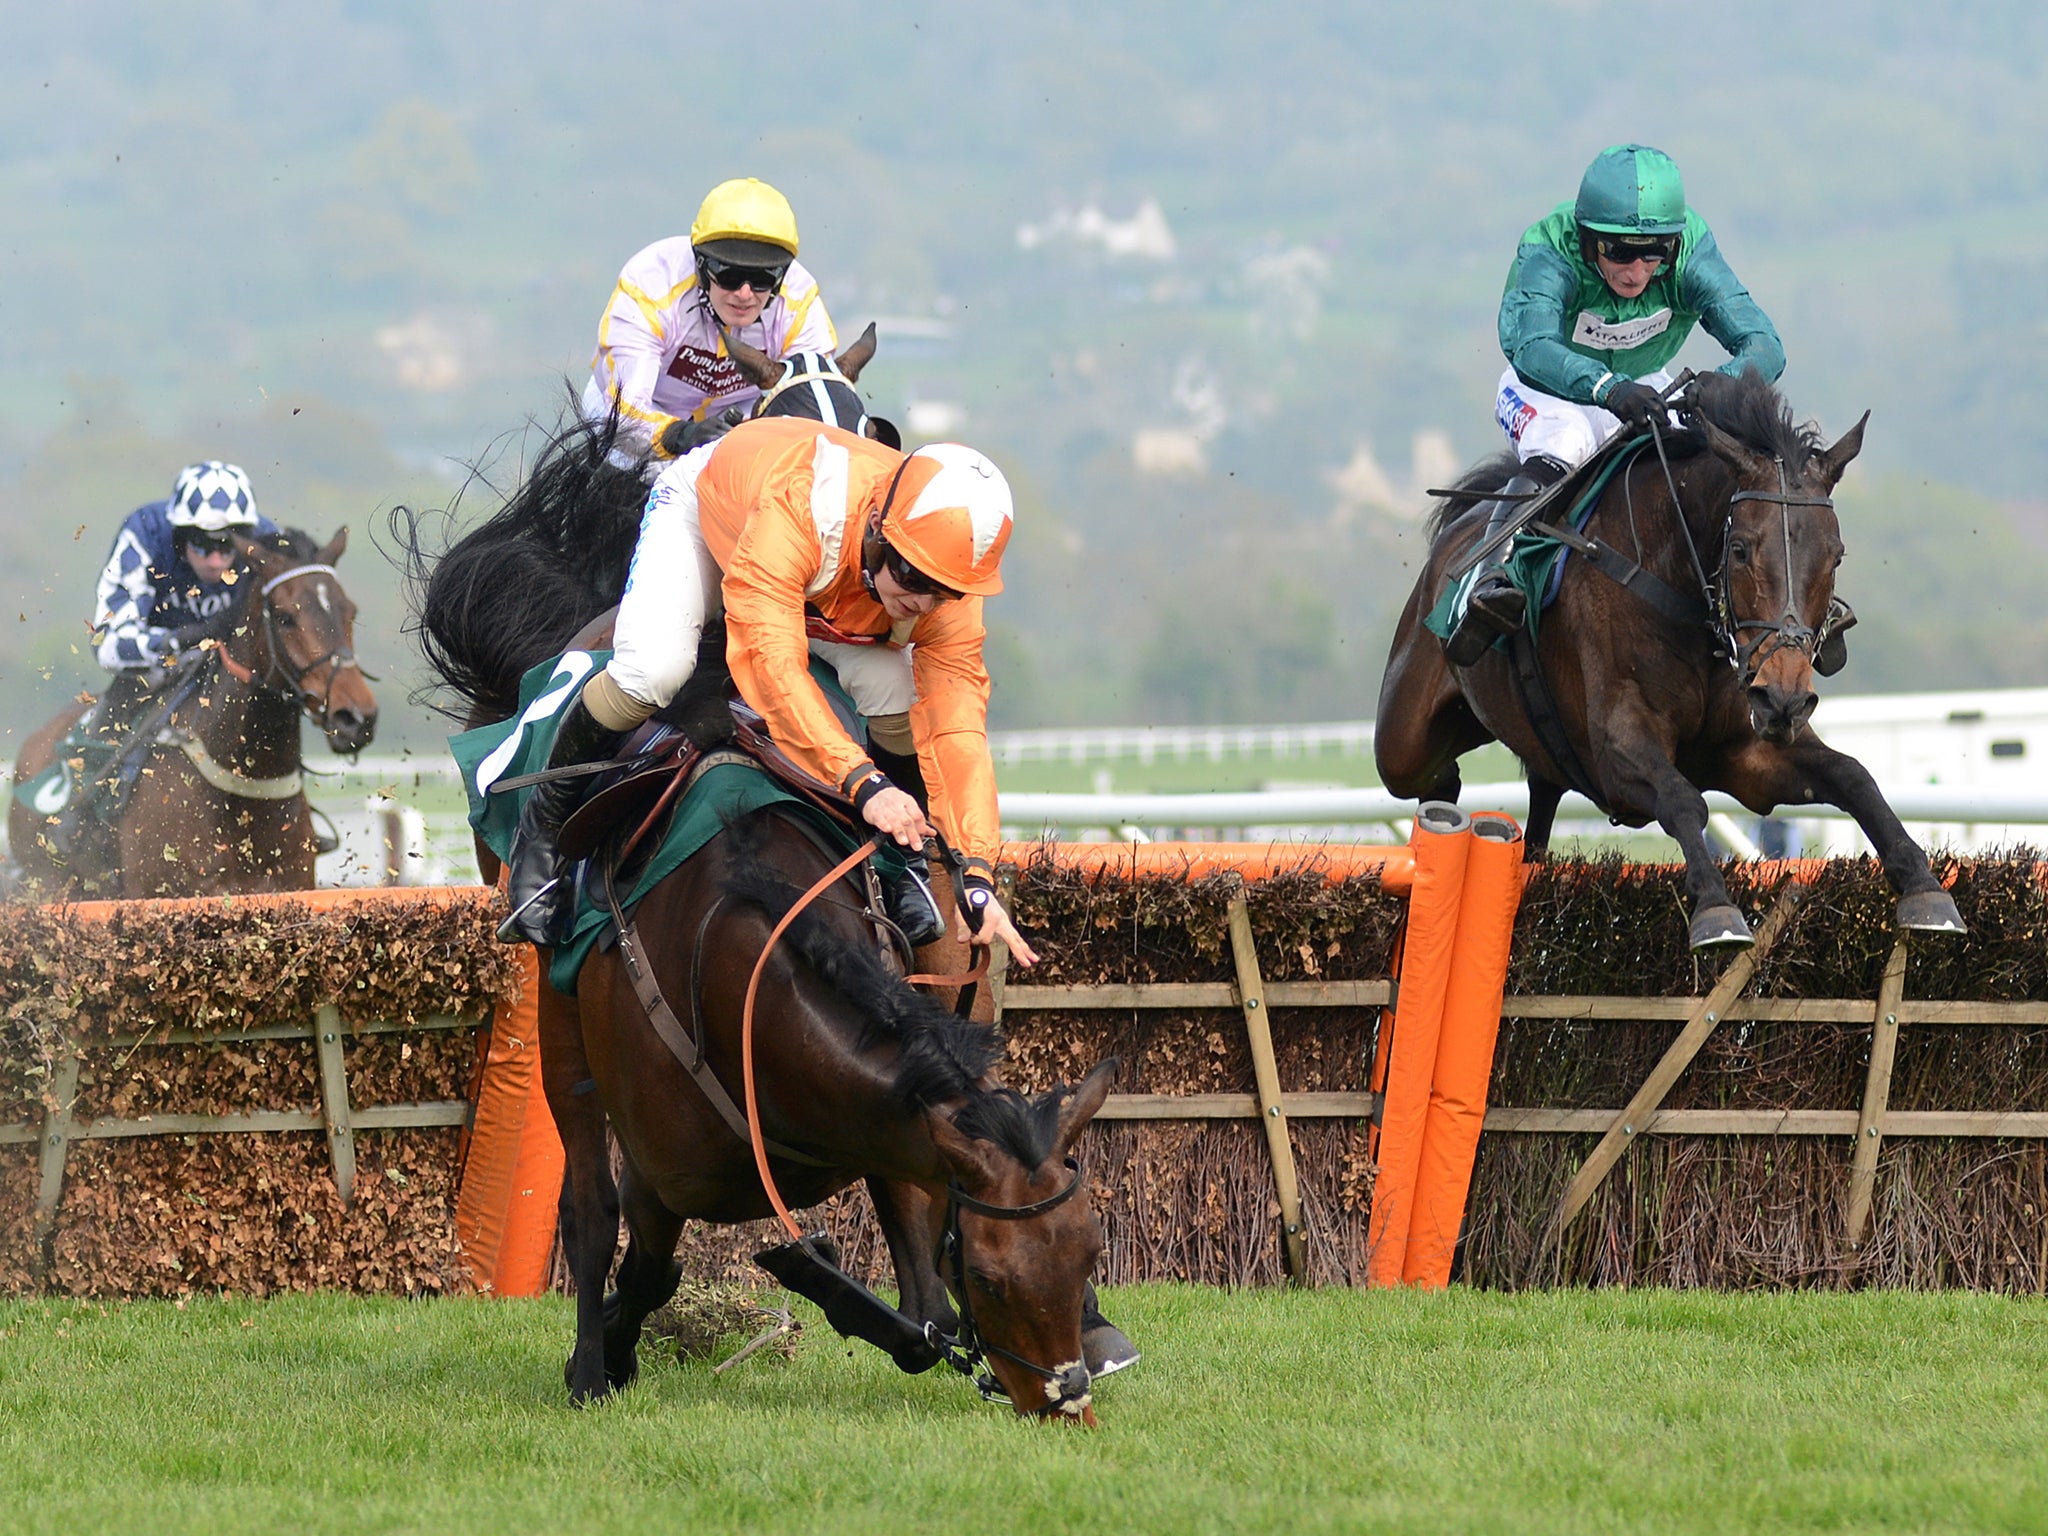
x: 994, y: 924
x: 892, y: 812
x: 682, y: 434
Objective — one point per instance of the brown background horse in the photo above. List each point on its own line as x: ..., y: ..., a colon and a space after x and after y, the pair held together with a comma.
x: 219, y: 806
x: 1651, y: 709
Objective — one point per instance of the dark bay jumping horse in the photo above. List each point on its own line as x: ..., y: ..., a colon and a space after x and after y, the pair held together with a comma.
x: 219, y: 805
x: 1641, y: 704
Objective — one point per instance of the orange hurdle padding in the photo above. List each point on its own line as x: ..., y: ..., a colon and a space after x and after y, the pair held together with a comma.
x: 1337, y: 861
x: 1464, y: 1051
x: 323, y: 900
x: 1407, y: 1058
x: 512, y: 1175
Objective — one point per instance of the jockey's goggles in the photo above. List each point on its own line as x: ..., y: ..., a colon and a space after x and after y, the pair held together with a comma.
x: 733, y: 276
x: 208, y: 543
x: 1625, y: 249
x: 911, y: 579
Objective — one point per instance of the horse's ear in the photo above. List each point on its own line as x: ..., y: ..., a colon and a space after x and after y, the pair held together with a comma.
x: 1835, y: 459
x: 883, y: 431
x: 334, y: 547
x: 976, y: 1162
x: 1082, y: 1105
x: 857, y: 356
x: 1736, y: 454
x: 761, y: 369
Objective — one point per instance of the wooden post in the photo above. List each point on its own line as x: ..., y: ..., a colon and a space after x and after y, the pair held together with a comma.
x: 999, y: 952
x: 1251, y: 991
x: 1636, y: 1117
x: 1877, y: 1088
x: 341, y: 1140
x: 56, y: 1142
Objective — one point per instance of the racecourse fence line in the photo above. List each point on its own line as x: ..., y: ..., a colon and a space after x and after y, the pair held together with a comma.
x: 1813, y: 914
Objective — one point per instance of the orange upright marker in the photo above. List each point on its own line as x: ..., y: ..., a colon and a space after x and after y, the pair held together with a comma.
x: 1464, y: 1052
x: 1407, y: 1062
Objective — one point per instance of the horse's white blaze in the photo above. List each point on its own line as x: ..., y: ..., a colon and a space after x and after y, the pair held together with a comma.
x: 326, y: 603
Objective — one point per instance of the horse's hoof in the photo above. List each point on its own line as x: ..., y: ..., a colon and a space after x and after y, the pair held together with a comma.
x: 1930, y: 912
x: 1721, y: 927
x: 1106, y: 1349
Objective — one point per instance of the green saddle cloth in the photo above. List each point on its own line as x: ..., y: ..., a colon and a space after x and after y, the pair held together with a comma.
x: 720, y: 795
x: 1535, y: 560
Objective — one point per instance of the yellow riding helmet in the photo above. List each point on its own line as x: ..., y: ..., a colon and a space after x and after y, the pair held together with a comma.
x: 949, y: 514
x: 745, y: 209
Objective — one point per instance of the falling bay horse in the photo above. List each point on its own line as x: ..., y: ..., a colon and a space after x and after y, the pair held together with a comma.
x: 219, y: 803
x: 917, y: 1110
x: 1641, y: 704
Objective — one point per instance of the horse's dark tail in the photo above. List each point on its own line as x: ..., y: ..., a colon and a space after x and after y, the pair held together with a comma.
x: 514, y: 590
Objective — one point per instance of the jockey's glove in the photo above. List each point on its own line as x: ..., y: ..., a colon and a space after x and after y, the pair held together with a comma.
x: 219, y: 627
x: 1636, y: 404
x: 681, y: 435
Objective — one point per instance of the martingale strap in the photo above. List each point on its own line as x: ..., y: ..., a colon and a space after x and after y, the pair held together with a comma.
x: 1650, y: 588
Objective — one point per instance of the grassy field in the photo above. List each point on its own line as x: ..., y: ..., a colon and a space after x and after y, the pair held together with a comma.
x: 1268, y: 1411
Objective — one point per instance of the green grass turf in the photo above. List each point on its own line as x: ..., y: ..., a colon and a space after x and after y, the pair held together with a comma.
x: 1327, y: 1411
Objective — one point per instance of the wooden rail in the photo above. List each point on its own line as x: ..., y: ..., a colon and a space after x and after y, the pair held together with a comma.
x: 59, y: 1128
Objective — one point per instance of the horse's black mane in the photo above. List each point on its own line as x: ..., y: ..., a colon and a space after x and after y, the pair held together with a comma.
x: 514, y: 590
x: 1750, y: 409
x: 940, y: 1056
x: 1746, y: 406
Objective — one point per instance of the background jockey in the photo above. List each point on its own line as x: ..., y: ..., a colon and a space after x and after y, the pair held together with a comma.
x: 815, y: 541
x: 1602, y: 294
x: 168, y: 583
x: 167, y: 587
x: 660, y: 361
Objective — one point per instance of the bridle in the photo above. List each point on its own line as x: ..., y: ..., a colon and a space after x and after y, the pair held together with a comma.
x: 280, y: 676
x: 1750, y: 655
x: 966, y: 1351
x: 1747, y: 657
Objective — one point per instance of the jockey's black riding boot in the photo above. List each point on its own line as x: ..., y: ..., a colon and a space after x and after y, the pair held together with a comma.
x: 539, y: 881
x: 912, y: 907
x: 1496, y: 606
x: 1105, y: 1348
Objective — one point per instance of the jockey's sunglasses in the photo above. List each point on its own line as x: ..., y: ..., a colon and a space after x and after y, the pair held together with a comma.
x: 1624, y: 249
x: 209, y: 543
x: 732, y: 277
x: 911, y: 579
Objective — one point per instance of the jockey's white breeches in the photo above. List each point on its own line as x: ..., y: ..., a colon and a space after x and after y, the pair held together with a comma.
x: 1544, y: 426
x: 674, y: 586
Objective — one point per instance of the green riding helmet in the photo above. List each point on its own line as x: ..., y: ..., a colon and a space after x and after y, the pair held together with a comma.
x: 1632, y: 189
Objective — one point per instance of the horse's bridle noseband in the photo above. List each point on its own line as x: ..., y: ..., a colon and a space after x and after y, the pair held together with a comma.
x: 967, y: 1351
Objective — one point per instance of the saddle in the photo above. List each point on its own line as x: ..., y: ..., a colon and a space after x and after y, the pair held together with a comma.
x: 658, y: 765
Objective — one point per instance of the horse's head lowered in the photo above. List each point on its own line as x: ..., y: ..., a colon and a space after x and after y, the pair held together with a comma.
x: 1019, y: 1239
x: 1780, y: 545
x: 297, y: 638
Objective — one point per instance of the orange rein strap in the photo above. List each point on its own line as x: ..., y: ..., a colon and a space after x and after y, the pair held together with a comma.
x: 824, y: 884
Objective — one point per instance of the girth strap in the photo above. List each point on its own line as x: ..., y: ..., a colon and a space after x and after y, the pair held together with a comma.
x: 1540, y: 705
x: 1651, y: 589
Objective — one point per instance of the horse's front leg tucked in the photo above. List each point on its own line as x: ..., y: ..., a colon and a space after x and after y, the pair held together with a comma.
x: 909, y: 1220
x: 1809, y: 771
x: 1641, y: 772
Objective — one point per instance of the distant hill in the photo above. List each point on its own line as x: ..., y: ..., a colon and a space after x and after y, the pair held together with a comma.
x: 1181, y: 266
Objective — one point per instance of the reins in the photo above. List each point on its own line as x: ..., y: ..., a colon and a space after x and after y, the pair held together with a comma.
x: 824, y: 883
x: 279, y: 666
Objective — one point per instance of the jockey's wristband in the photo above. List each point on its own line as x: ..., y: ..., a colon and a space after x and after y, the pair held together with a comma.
x: 866, y: 789
x: 981, y: 891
